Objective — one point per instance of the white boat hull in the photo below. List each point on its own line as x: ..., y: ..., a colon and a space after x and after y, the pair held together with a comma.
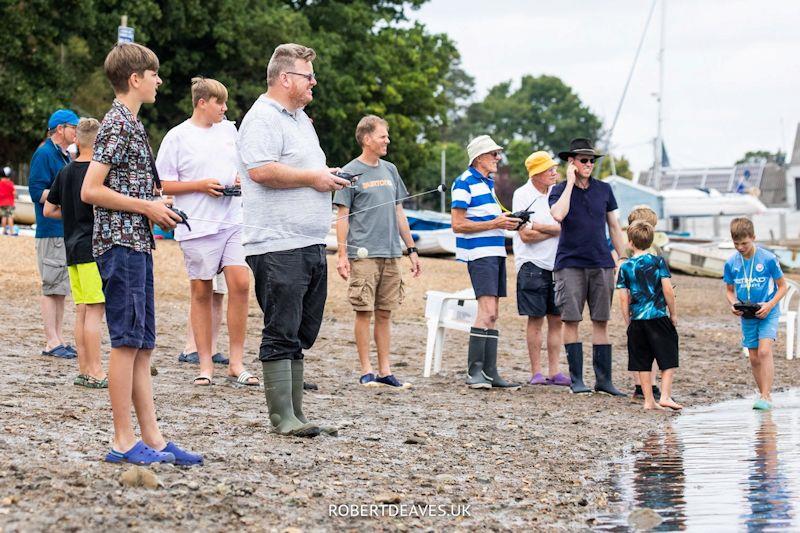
x: 706, y: 261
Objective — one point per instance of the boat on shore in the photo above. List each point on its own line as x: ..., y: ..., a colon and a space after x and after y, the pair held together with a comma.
x: 23, y: 207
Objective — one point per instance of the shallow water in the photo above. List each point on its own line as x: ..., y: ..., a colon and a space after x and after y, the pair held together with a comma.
x: 724, y: 467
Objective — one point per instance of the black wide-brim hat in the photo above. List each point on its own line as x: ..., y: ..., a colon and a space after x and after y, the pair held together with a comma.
x: 579, y: 147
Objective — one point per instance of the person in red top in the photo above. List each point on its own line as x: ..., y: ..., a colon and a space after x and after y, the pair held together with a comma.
x: 7, y: 195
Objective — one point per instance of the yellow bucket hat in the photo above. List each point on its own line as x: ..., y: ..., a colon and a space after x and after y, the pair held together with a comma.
x: 539, y: 162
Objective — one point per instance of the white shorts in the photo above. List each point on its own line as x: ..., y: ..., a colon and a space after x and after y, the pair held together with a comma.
x: 205, y: 257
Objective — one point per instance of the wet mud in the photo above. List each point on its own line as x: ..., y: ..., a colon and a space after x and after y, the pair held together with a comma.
x: 537, y: 458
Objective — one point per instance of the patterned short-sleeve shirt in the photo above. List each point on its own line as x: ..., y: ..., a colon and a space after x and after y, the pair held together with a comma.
x: 122, y: 144
x: 642, y: 275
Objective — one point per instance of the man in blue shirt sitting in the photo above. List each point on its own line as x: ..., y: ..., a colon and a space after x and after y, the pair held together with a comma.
x: 584, y: 267
x: 51, y: 256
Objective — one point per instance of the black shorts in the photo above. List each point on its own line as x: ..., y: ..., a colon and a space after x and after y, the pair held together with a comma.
x: 649, y: 340
x: 536, y: 291
x: 488, y: 276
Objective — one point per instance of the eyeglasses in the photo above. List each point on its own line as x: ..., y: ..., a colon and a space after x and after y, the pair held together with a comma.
x: 308, y: 77
x: 586, y: 160
x: 495, y: 154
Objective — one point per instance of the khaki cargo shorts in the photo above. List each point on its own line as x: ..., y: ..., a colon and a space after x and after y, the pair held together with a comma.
x: 51, y: 258
x: 375, y: 283
x: 575, y: 287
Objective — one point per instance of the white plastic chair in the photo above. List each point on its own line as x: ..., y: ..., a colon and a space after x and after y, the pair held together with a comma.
x: 792, y: 320
x: 445, y: 310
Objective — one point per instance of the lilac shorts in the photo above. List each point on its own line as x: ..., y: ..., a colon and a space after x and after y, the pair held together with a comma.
x: 205, y: 257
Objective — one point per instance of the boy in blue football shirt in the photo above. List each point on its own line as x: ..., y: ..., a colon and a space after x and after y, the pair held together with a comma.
x: 648, y: 307
x: 753, y: 276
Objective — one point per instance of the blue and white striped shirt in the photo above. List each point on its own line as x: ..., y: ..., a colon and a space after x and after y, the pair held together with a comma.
x: 473, y: 192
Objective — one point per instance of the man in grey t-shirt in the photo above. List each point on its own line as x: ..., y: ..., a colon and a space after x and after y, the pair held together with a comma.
x: 371, y: 216
x: 286, y: 188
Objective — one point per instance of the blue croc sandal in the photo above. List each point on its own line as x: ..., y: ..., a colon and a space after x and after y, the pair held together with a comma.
x: 192, y: 358
x: 182, y: 457
x: 219, y: 359
x: 61, y: 352
x: 140, y: 454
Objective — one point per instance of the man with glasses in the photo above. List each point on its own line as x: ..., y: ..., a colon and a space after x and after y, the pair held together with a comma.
x: 51, y: 256
x: 584, y: 267
x: 286, y: 188
x: 479, y: 225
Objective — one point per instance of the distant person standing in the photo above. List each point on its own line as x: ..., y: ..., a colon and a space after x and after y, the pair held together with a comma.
x: 378, y: 224
x: 51, y: 255
x: 535, y: 246
x: 584, y: 267
x: 196, y: 161
x: 7, y: 196
x: 479, y: 225
x: 64, y: 202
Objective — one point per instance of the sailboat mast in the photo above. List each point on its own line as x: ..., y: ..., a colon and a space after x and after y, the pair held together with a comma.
x: 658, y: 142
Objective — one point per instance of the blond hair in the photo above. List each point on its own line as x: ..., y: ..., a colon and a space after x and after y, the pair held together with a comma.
x: 641, y: 234
x: 644, y: 213
x: 367, y: 125
x: 86, y: 132
x: 126, y: 59
x: 741, y: 228
x: 206, y: 89
x: 283, y: 59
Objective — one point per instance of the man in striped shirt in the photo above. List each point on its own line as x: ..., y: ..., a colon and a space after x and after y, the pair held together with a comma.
x: 479, y: 225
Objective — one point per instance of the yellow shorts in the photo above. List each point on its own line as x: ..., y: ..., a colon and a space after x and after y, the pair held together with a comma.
x: 86, y: 284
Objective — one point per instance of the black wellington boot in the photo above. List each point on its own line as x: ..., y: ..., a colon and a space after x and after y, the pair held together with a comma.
x: 490, y: 362
x: 601, y: 360
x: 476, y: 378
x: 575, y: 360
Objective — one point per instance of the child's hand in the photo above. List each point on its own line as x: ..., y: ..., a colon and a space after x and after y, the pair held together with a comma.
x: 736, y: 311
x: 763, y: 311
x: 674, y: 319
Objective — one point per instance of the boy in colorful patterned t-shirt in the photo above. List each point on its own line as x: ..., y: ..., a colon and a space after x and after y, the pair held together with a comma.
x: 648, y: 306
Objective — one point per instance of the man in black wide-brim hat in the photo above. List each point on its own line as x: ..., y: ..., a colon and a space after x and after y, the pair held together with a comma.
x: 584, y: 267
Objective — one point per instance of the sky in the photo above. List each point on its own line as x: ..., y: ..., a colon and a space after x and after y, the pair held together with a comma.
x: 731, y: 67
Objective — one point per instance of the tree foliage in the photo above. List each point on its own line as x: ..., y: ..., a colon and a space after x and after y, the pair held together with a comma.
x: 542, y: 113
x: 763, y: 156
x: 370, y: 59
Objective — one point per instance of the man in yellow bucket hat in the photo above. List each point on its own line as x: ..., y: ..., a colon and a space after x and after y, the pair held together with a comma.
x: 535, y: 246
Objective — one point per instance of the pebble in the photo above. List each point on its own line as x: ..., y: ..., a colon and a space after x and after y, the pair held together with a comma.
x: 388, y: 497
x: 137, y: 476
x: 644, y: 519
x: 414, y: 440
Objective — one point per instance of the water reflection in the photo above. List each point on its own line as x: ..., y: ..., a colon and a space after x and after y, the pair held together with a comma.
x: 658, y: 478
x: 768, y: 492
x: 718, y: 468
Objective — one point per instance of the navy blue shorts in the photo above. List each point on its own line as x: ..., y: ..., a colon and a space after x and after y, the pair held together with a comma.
x: 130, y: 303
x: 488, y: 276
x: 536, y: 291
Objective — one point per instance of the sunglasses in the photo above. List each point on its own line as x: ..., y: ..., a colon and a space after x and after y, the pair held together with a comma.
x: 308, y: 77
x: 586, y: 160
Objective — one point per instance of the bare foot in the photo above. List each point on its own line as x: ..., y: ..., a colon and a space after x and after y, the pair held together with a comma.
x: 653, y: 407
x: 669, y: 402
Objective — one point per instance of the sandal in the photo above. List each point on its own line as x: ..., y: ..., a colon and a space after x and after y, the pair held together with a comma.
x: 90, y: 382
x: 202, y: 381
x: 245, y: 378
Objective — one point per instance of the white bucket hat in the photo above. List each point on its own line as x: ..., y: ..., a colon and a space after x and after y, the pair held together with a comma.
x: 482, y: 144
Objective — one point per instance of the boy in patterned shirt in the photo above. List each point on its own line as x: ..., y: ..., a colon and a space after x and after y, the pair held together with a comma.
x: 648, y: 307
x: 122, y: 185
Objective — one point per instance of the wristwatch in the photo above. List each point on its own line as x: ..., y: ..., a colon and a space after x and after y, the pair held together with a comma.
x: 412, y: 250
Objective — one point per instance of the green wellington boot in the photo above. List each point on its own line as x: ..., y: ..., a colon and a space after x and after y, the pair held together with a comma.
x: 278, y: 390
x: 490, y: 362
x: 476, y: 377
x: 297, y: 397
